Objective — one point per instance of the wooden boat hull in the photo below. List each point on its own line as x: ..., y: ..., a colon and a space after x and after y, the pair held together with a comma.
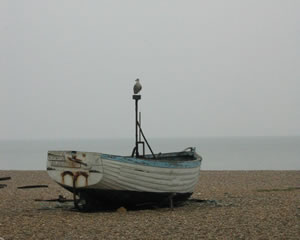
x: 125, y: 180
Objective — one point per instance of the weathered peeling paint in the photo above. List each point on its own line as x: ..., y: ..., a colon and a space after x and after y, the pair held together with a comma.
x: 172, y: 172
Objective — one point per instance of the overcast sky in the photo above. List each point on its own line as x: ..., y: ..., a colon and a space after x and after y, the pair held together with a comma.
x: 208, y: 68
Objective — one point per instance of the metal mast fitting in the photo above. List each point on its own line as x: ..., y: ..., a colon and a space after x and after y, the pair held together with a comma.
x: 136, y: 98
x: 138, y: 119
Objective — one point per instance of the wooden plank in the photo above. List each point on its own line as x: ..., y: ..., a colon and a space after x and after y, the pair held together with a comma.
x: 33, y: 186
x: 4, y: 178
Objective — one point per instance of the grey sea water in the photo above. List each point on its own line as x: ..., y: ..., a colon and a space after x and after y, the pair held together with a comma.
x: 236, y: 153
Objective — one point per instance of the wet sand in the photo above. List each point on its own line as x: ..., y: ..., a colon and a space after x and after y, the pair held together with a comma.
x: 225, y: 205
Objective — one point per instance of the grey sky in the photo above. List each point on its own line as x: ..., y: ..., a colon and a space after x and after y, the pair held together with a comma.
x: 208, y: 68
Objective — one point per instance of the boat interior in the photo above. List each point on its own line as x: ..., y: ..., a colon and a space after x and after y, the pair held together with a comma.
x: 187, y: 154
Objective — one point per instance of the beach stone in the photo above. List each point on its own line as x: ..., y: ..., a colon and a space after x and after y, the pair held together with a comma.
x: 121, y: 210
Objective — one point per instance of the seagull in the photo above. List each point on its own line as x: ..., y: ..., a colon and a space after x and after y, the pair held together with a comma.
x: 137, y: 87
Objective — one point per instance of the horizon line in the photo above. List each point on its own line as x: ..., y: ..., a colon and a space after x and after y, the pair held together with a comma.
x: 153, y: 137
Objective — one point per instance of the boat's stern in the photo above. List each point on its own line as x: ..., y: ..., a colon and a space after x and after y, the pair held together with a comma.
x: 73, y: 169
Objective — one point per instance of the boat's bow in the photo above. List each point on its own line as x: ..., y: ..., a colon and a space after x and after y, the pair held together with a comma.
x: 74, y: 169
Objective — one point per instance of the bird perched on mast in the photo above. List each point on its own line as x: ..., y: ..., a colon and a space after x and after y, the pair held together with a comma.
x: 137, y: 87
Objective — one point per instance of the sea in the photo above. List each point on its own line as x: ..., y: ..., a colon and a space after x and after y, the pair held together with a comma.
x: 219, y: 153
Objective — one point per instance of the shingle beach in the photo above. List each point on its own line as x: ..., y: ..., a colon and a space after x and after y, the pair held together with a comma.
x: 225, y: 205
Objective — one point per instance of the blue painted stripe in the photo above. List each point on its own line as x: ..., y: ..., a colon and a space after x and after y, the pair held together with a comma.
x: 154, y: 163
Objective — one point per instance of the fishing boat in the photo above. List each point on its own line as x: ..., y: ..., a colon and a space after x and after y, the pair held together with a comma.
x: 98, y: 178
x: 125, y: 180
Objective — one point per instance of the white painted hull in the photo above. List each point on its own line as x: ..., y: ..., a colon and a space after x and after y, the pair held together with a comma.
x: 96, y: 171
x: 130, y: 177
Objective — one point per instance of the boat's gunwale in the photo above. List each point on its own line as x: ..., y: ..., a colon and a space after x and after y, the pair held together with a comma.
x: 165, y: 160
x: 161, y: 163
